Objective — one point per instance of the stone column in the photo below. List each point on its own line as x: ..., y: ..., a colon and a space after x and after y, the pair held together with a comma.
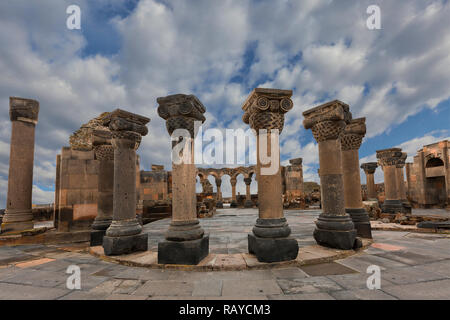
x: 351, y: 140
x: 186, y: 242
x: 24, y: 116
x: 104, y: 152
x: 264, y: 112
x: 388, y: 159
x: 334, y: 228
x: 401, y: 183
x: 124, y: 235
x: 369, y: 169
x: 248, y: 197
x: 233, y: 203
x: 219, y: 203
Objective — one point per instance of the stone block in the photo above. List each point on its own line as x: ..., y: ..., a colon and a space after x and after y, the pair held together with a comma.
x: 97, y: 237
x: 84, y: 211
x: 183, y: 252
x: 272, y: 249
x: 75, y: 167
x: 125, y: 244
x: 344, y: 240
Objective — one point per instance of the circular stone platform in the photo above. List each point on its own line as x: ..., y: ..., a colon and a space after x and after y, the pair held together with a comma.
x: 228, y: 250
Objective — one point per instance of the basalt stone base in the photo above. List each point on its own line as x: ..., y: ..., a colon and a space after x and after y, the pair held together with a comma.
x: 407, y: 208
x: 361, y: 220
x: 97, y: 237
x: 335, y: 231
x: 248, y: 204
x: 344, y: 240
x: 233, y: 204
x: 183, y: 252
x: 16, y: 227
x: 219, y: 204
x: 392, y: 206
x: 125, y: 244
x: 272, y: 249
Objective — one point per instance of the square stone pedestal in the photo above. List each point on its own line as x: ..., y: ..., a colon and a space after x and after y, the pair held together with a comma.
x: 392, y: 207
x: 272, y: 249
x: 125, y: 244
x: 183, y: 252
x: 344, y: 240
x: 97, y: 237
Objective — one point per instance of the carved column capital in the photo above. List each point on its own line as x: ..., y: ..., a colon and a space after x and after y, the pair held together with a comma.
x: 126, y: 128
x: 25, y: 110
x: 296, y: 162
x: 218, y: 182
x: 328, y: 120
x: 401, y: 162
x: 233, y: 181
x: 247, y: 181
x: 354, y: 132
x: 369, y: 167
x: 180, y: 112
x: 265, y: 108
x: 389, y: 157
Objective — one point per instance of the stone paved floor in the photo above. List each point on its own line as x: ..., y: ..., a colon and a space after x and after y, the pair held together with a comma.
x: 413, y: 266
x: 228, y: 229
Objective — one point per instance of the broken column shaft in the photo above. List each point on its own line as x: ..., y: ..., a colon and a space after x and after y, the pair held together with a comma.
x: 24, y: 116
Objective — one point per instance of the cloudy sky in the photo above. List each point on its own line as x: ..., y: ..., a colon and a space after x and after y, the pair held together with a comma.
x: 128, y: 53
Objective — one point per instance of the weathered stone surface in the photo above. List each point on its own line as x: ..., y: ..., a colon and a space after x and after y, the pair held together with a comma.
x: 125, y: 244
x: 189, y: 252
x: 272, y: 249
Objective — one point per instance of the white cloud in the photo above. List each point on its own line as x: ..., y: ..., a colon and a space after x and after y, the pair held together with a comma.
x: 320, y: 49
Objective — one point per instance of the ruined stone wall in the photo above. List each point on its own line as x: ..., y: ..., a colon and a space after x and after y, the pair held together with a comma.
x: 293, y: 176
x: 76, y: 190
x: 154, y: 185
x: 428, y: 176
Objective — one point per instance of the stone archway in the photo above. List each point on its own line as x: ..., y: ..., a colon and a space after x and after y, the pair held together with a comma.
x: 435, y: 181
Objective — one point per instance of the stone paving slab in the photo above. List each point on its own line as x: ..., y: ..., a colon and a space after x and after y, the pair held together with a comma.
x: 240, y: 261
x: 413, y: 265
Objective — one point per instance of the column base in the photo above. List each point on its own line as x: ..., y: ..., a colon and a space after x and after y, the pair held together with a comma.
x: 97, y: 237
x: 183, y: 252
x: 335, y: 231
x: 248, y: 204
x: 16, y: 227
x: 361, y: 220
x: 219, y: 204
x: 101, y: 224
x: 233, y: 204
x: 272, y: 249
x: 125, y: 244
x: 406, y: 206
x: 392, y: 207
